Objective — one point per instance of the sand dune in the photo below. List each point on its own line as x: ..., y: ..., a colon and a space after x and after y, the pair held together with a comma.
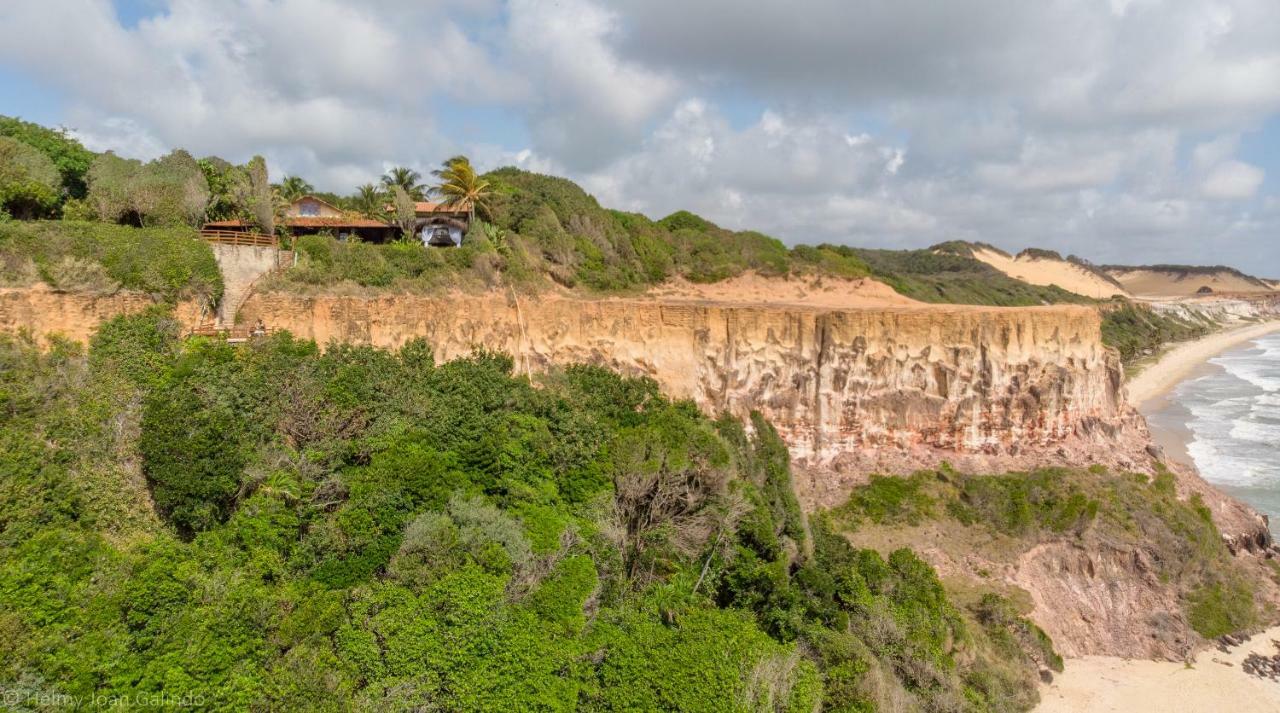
x: 1145, y: 282
x: 1048, y: 271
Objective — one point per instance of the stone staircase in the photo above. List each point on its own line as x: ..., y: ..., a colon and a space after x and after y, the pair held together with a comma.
x: 242, y: 266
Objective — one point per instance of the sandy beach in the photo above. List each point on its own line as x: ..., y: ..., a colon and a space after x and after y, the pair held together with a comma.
x: 1181, y: 361
x: 1214, y: 682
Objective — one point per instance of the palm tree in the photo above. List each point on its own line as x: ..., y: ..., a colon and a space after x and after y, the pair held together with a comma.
x: 369, y: 201
x: 406, y: 178
x: 294, y: 187
x: 461, y: 188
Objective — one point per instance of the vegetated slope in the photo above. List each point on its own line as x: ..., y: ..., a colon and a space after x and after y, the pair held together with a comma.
x: 946, y: 277
x: 1171, y: 581
x: 1184, y: 280
x: 98, y: 258
x: 1137, y: 330
x: 1043, y: 267
x: 545, y: 230
x: 370, y: 530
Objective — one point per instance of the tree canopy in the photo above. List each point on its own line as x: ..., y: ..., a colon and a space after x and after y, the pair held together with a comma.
x: 462, y: 188
x: 408, y: 179
x: 171, y: 190
x: 68, y: 155
x: 29, y: 181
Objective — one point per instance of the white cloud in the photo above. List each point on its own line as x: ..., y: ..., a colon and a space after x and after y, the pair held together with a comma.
x: 1107, y: 128
x: 589, y: 103
x: 1232, y: 180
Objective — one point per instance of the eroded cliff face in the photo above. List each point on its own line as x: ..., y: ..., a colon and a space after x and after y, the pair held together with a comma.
x: 44, y: 312
x: 846, y: 388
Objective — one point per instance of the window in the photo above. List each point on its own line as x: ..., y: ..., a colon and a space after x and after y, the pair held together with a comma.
x: 309, y: 209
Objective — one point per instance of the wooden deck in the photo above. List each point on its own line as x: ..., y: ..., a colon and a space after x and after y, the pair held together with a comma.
x: 238, y: 237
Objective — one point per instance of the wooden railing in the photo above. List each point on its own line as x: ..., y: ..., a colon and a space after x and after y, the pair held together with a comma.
x: 236, y: 237
x: 238, y: 332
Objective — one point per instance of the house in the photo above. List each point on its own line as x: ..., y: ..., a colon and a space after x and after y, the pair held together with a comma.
x: 440, y: 225
x: 437, y: 225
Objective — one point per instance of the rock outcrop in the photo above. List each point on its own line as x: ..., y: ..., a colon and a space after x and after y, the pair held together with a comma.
x: 43, y: 312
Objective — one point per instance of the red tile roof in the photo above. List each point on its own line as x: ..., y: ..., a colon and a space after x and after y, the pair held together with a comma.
x: 430, y: 207
x: 309, y: 222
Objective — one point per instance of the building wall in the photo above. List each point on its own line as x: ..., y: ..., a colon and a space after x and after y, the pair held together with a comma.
x: 319, y: 209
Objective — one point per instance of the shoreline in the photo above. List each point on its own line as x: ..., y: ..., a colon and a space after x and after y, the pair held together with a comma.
x: 1180, y: 362
x: 1213, y: 682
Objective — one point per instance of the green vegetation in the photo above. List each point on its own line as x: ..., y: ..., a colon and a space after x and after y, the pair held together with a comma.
x: 1136, y: 329
x: 100, y: 258
x: 461, y: 188
x: 1189, y: 270
x: 528, y: 231
x: 406, y: 179
x: 951, y: 277
x: 358, y: 529
x: 292, y: 188
x: 541, y: 228
x: 1092, y: 505
x: 67, y: 154
x: 1219, y: 608
x: 171, y: 190
x: 28, y: 181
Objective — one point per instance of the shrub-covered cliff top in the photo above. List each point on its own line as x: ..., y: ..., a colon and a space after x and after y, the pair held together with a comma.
x: 542, y: 230
x: 545, y: 230
x: 949, y: 277
x: 100, y: 258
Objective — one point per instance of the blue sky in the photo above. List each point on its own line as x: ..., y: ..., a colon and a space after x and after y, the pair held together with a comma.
x: 1118, y: 130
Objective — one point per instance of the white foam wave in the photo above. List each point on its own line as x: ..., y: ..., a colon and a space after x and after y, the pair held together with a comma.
x: 1218, y: 465
x: 1253, y: 431
x: 1262, y: 374
x: 1235, y: 417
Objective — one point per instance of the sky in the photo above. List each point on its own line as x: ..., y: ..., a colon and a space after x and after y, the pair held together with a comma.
x: 1122, y: 131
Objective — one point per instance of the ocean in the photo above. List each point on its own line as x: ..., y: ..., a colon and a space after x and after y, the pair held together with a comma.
x: 1229, y: 416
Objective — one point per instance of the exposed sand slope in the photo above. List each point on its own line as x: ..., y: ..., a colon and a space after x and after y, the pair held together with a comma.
x: 1105, y: 683
x: 1179, y: 283
x: 1047, y: 271
x: 1176, y: 364
x: 755, y: 289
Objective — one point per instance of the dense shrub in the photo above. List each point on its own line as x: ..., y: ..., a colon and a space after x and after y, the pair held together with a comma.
x: 167, y: 262
x: 953, y: 277
x: 71, y: 159
x: 1137, y: 330
x: 29, y: 181
x: 169, y: 191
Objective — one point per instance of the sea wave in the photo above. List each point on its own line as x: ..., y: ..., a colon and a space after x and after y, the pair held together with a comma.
x: 1235, y: 418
